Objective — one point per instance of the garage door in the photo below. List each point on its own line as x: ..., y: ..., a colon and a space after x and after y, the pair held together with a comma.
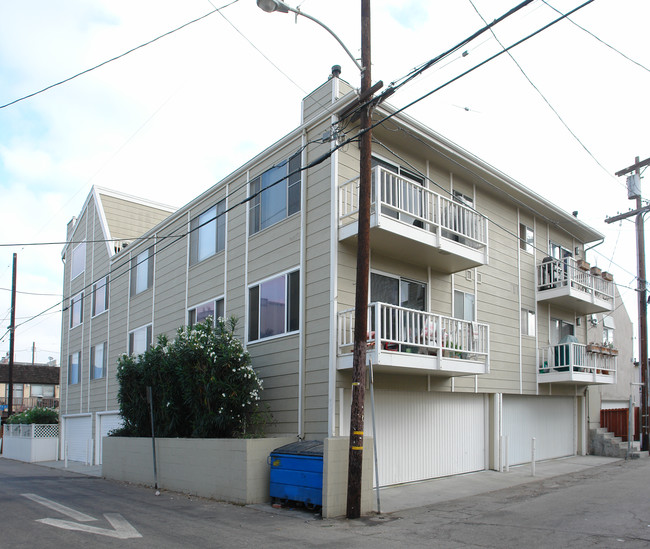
x: 427, y: 435
x: 78, y: 438
x: 105, y: 424
x: 551, y: 420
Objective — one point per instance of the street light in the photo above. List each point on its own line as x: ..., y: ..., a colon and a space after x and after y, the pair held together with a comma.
x: 270, y: 6
x: 355, y: 461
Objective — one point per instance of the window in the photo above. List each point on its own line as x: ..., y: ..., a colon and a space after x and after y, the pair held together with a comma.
x: 100, y: 296
x: 526, y: 238
x: 44, y: 391
x: 214, y: 308
x: 76, y: 310
x: 527, y: 322
x: 558, y: 251
x: 274, y: 307
x: 208, y: 233
x: 275, y: 196
x: 74, y: 366
x: 397, y: 291
x: 464, y: 305
x: 142, y: 272
x: 559, y: 330
x: 78, y: 264
x: 608, y: 330
x: 140, y: 340
x: 98, y: 361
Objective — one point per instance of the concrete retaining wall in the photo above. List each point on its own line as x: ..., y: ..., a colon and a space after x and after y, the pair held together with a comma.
x: 335, y: 477
x: 234, y: 470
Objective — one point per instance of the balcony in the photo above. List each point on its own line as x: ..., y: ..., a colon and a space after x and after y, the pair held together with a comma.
x: 562, y: 283
x: 578, y: 364
x: 407, y: 341
x: 20, y: 404
x: 412, y: 223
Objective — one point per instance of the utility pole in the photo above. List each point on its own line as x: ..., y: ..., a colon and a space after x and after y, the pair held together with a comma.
x: 355, y: 461
x: 634, y: 192
x: 12, y: 330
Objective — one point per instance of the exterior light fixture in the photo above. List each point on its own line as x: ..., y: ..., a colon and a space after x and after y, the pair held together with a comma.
x: 269, y: 6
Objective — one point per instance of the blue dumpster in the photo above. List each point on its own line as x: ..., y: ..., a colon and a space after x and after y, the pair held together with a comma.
x: 297, y: 473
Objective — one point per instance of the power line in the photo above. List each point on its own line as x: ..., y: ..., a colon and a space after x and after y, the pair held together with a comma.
x: 548, y: 103
x: 116, y: 57
x: 599, y: 39
x: 318, y: 160
x: 30, y: 293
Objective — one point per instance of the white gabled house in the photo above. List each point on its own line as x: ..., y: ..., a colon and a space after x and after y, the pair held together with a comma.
x: 476, y: 296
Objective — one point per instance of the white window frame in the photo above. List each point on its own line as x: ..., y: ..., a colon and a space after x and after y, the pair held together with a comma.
x: 208, y: 228
x: 142, y: 272
x: 526, y: 238
x: 94, y: 369
x: 217, y: 303
x: 135, y: 336
x: 78, y: 261
x: 76, y: 310
x: 528, y: 322
x: 76, y: 366
x: 291, y: 312
x: 466, y: 298
x: 100, y: 296
x: 272, y: 179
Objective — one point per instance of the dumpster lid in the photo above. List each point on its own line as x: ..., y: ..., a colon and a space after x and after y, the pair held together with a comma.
x: 302, y: 447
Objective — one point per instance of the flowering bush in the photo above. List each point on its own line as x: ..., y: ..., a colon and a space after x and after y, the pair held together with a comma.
x: 40, y: 416
x: 203, y: 385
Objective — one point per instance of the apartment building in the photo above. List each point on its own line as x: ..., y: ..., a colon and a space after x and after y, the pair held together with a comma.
x: 477, y: 296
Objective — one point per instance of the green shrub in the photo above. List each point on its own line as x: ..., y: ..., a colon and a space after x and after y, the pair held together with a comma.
x: 203, y: 385
x: 41, y: 416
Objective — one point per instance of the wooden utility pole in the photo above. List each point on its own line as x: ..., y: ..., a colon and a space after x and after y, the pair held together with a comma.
x: 12, y: 330
x: 634, y: 192
x: 355, y: 461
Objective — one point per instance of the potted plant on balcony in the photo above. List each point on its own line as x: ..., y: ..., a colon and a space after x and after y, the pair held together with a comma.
x: 607, y: 276
x: 583, y: 264
x: 595, y: 271
x: 593, y: 348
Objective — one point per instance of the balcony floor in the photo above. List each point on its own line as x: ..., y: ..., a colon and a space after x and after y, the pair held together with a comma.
x: 414, y: 245
x: 417, y: 363
x: 576, y: 377
x: 570, y: 298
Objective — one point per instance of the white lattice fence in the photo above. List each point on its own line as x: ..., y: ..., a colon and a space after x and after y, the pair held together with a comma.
x: 31, y: 442
x: 32, y: 430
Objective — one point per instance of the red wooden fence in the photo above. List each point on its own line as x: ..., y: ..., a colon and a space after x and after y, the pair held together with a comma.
x: 616, y: 421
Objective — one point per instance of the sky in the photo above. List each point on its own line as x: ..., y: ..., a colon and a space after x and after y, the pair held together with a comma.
x: 170, y: 119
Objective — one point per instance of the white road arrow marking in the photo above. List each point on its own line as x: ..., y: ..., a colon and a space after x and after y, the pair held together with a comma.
x: 121, y: 528
x: 73, y: 514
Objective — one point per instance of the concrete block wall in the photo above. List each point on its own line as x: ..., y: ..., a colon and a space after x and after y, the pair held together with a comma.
x: 335, y: 476
x: 234, y: 470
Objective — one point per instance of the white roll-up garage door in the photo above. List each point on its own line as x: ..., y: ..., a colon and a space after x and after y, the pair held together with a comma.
x: 550, y: 420
x: 427, y: 435
x: 106, y: 422
x: 78, y: 438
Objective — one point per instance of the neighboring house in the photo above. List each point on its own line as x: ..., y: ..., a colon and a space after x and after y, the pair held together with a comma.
x: 33, y: 385
x: 614, y: 330
x: 108, y: 223
x: 477, y: 326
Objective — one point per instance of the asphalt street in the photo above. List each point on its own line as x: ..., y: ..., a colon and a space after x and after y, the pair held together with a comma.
x: 604, y: 506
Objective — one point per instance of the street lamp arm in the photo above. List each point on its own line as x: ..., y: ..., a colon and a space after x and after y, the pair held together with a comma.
x: 278, y: 5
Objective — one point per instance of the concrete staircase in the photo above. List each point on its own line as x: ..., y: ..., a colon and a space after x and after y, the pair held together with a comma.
x: 604, y: 443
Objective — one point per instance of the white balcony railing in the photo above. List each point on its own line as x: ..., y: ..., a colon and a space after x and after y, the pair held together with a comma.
x: 401, y: 330
x: 410, y: 202
x: 575, y: 362
x: 553, y: 274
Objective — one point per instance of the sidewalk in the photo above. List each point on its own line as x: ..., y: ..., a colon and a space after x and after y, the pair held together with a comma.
x: 421, y: 494
x: 73, y: 467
